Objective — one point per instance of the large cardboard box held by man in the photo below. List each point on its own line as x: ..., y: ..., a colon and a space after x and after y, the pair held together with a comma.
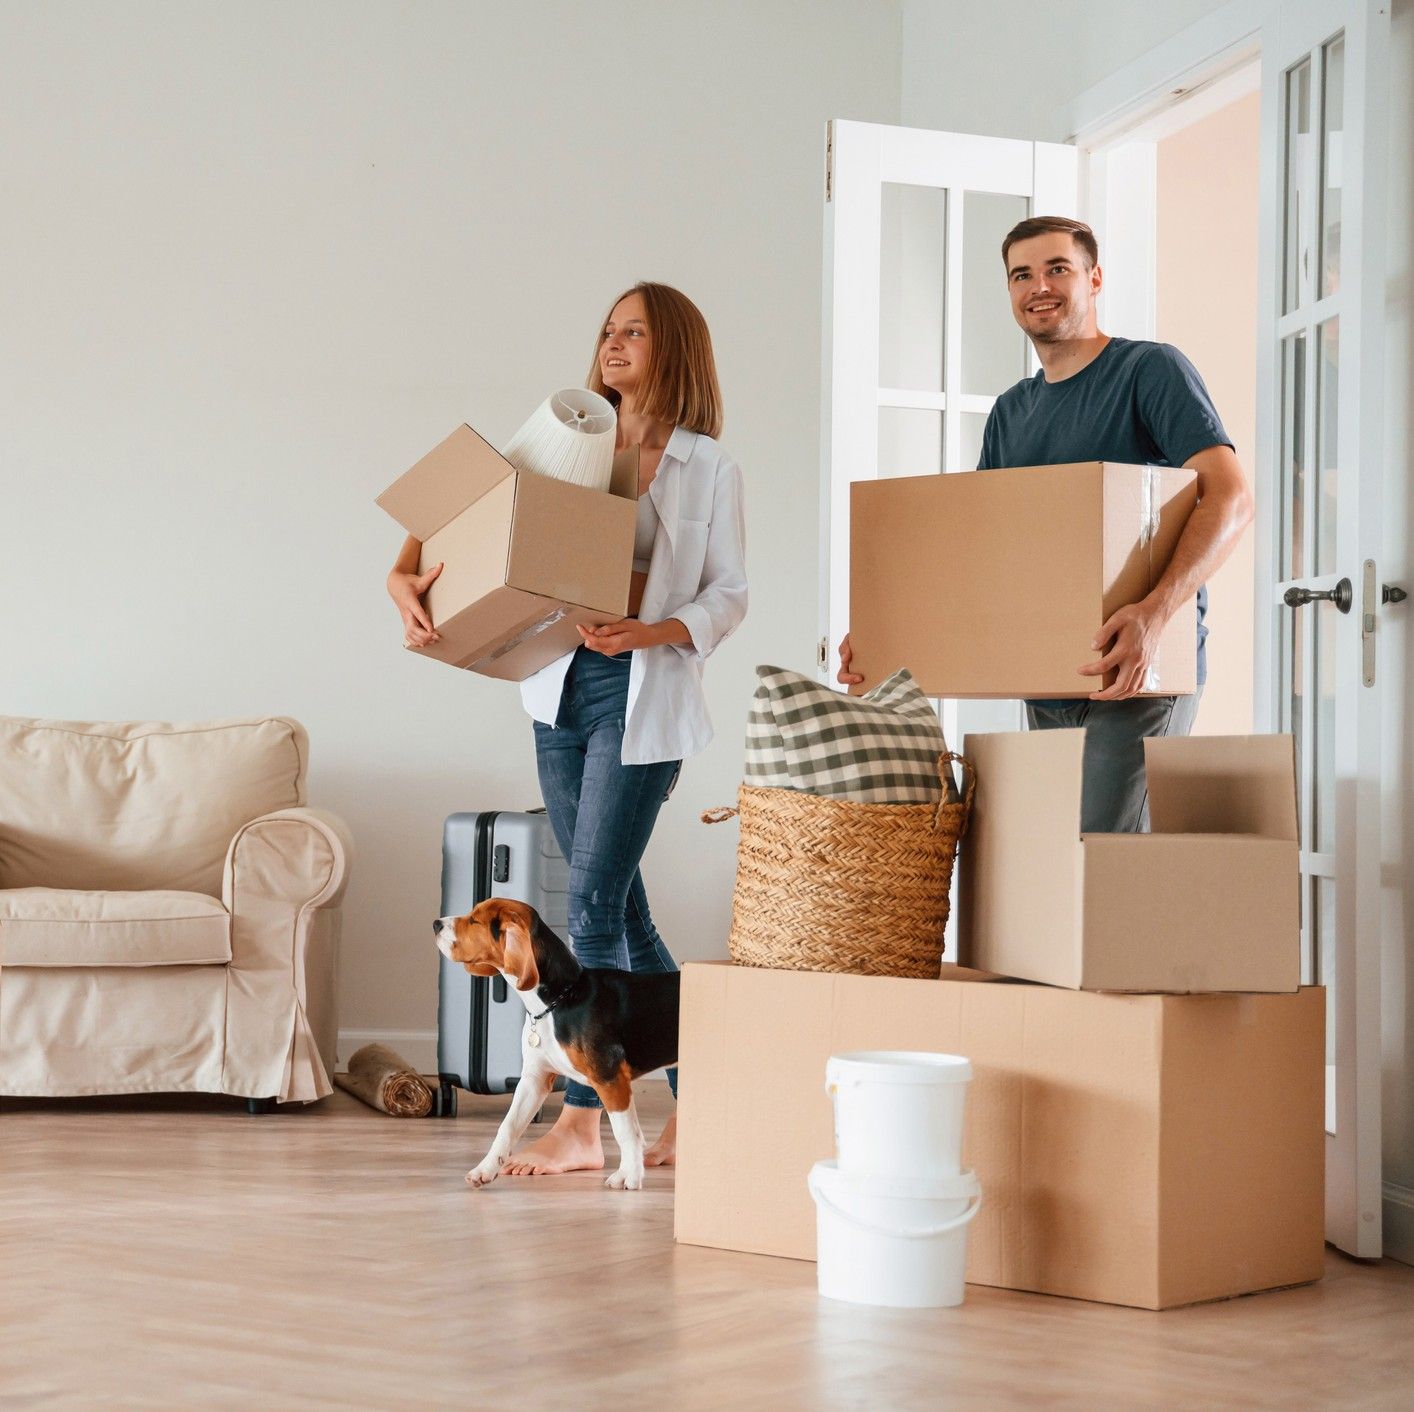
x: 995, y: 583
x: 527, y: 557
x: 1209, y: 900
x: 1149, y: 1150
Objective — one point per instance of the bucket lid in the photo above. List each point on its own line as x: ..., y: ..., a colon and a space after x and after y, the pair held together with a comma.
x: 961, y: 1186
x: 897, y: 1066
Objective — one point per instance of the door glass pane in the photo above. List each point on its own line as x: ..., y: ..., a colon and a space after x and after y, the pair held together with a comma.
x: 1297, y: 198
x: 1332, y: 134
x: 1323, y: 921
x: 912, y: 283
x: 1323, y: 724
x: 993, y: 345
x: 973, y: 425
x: 1293, y: 455
x: 910, y: 441
x: 1327, y: 443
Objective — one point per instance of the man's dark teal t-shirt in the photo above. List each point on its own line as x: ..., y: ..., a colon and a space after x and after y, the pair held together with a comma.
x: 1142, y: 404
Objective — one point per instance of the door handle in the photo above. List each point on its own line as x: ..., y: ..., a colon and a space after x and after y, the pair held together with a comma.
x: 1392, y: 593
x: 1342, y: 595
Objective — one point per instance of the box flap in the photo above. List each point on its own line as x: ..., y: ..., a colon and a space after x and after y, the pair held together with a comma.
x: 1020, y: 908
x: 1223, y: 784
x: 441, y: 485
x: 623, y: 480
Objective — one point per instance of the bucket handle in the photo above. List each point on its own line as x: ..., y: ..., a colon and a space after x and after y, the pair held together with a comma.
x: 926, y: 1233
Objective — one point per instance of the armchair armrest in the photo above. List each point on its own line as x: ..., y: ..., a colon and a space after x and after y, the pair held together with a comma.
x: 283, y: 881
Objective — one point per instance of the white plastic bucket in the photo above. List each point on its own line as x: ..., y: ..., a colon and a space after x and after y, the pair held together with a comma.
x: 898, y: 1112
x: 892, y: 1241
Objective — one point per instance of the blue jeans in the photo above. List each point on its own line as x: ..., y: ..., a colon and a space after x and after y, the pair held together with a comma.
x: 1114, y: 791
x: 603, y: 812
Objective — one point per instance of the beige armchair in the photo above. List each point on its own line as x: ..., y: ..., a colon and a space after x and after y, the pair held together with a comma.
x: 169, y: 911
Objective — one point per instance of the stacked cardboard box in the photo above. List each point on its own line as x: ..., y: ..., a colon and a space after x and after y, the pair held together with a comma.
x: 1146, y: 1117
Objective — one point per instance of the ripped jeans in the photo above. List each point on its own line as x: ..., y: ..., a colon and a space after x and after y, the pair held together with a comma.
x: 603, y: 812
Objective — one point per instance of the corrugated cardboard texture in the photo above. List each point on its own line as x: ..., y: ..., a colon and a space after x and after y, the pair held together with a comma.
x: 1161, y: 912
x: 1070, y: 1112
x: 572, y: 544
x: 1022, y: 866
x: 994, y: 583
x: 472, y: 548
x: 1227, y: 1068
x: 1223, y: 784
x: 1190, y: 912
x: 455, y: 474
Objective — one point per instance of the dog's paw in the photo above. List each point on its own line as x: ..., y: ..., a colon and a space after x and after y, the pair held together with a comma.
x: 625, y: 1180
x: 485, y: 1172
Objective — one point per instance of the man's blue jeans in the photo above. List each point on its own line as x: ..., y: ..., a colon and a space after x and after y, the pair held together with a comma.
x: 1114, y: 796
x: 603, y: 814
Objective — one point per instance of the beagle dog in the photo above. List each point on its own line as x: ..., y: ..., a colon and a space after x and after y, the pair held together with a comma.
x: 602, y: 1027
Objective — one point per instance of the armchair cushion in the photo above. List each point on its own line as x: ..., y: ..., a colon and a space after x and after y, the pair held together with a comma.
x: 138, y: 804
x: 45, y: 926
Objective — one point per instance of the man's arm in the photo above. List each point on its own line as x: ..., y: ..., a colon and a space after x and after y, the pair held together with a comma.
x: 1224, y: 510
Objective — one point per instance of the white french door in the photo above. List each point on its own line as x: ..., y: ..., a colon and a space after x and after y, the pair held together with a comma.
x: 919, y: 335
x: 1320, y: 597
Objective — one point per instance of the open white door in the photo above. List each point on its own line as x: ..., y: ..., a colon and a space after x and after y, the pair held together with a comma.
x: 1321, y: 331
x: 919, y: 337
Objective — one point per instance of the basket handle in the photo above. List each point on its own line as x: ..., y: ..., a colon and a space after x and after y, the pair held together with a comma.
x: 969, y: 778
x: 718, y: 815
x: 925, y: 1233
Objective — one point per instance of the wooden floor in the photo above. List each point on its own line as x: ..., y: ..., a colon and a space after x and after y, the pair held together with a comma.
x: 176, y: 1253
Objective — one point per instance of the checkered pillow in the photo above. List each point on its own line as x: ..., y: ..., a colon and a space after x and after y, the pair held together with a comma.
x: 879, y: 748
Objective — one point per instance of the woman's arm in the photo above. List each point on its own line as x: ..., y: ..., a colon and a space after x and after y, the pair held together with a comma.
x: 721, y: 599
x: 406, y: 587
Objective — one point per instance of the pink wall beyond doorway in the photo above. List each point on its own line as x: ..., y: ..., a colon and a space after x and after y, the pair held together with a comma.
x: 1206, y: 304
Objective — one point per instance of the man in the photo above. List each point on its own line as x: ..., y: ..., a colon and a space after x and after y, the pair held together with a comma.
x: 1098, y: 398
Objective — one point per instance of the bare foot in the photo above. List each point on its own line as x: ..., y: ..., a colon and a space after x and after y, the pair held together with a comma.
x: 664, y: 1152
x: 572, y: 1145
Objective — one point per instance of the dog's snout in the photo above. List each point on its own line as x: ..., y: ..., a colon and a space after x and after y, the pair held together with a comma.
x: 437, y: 927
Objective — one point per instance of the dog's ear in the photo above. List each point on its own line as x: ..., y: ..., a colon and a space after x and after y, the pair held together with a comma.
x: 520, y: 953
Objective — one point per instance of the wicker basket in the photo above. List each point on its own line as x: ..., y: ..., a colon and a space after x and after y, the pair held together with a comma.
x: 831, y: 885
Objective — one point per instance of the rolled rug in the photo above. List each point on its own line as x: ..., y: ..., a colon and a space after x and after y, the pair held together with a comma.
x: 569, y: 436
x: 386, y: 1082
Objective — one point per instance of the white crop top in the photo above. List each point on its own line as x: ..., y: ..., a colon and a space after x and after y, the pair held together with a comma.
x: 644, y: 534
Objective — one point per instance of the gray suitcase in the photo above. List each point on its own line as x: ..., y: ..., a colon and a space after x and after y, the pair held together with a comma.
x: 479, y: 1022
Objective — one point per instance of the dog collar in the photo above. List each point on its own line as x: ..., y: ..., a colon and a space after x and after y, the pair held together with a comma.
x: 533, y: 1038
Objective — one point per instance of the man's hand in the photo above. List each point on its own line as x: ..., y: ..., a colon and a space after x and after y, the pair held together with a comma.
x: 626, y: 635
x: 1132, y: 635
x: 845, y: 676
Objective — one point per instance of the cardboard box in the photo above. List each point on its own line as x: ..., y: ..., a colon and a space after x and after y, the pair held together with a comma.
x: 1208, y: 901
x: 994, y: 583
x: 1146, y: 1150
x: 526, y: 557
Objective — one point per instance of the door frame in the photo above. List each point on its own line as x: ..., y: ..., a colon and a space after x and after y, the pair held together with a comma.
x: 1101, y: 120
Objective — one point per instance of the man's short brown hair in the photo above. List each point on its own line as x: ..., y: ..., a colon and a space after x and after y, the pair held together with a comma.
x: 1078, y: 231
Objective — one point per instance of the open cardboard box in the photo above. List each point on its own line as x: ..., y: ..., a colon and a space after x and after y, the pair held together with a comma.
x: 527, y: 558
x: 1149, y: 1150
x: 994, y: 583
x: 1207, y: 901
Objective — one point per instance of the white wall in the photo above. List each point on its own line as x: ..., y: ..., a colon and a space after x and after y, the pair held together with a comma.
x: 1010, y: 68
x: 258, y: 258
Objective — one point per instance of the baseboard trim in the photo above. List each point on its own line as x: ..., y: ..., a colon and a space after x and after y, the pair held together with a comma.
x: 418, y: 1047
x: 1399, y: 1222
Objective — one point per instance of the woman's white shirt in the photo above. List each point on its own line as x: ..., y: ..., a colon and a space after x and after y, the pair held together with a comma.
x: 698, y: 576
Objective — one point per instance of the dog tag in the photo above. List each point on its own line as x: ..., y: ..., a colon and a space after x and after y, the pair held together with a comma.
x: 533, y: 1039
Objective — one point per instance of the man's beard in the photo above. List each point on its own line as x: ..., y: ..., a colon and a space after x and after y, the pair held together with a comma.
x: 1063, y: 331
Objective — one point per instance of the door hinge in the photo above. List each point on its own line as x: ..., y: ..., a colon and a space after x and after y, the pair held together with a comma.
x: 829, y: 162
x: 822, y: 653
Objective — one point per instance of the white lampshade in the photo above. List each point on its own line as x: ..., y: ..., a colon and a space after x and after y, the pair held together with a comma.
x: 569, y: 436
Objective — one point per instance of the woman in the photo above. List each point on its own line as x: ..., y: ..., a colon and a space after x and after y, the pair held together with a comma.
x: 615, y: 718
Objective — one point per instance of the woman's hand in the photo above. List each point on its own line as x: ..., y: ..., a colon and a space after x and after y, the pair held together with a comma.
x: 628, y: 635
x: 406, y: 591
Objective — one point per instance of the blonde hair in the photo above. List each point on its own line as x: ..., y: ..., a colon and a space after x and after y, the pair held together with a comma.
x: 680, y: 383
